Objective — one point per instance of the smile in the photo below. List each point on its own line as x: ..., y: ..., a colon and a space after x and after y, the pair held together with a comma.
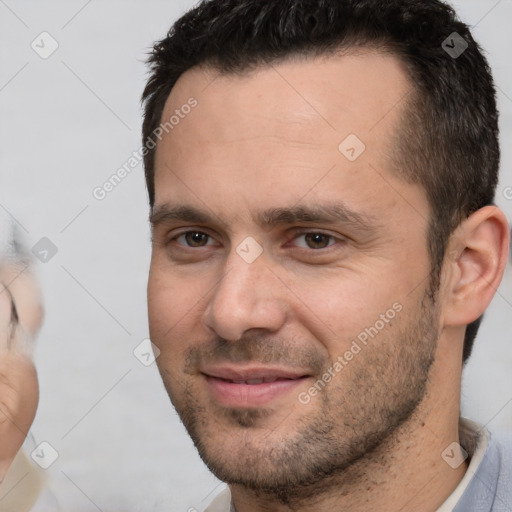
x: 250, y: 388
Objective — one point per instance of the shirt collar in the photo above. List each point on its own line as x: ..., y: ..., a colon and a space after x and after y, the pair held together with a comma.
x: 479, y: 482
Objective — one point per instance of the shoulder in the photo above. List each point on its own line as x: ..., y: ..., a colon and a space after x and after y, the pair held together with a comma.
x: 500, y: 448
x: 494, y: 473
x: 487, y: 484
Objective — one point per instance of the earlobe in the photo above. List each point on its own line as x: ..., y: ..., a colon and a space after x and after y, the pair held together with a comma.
x: 476, y: 262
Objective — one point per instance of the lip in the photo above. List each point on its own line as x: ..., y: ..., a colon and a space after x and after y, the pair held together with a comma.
x: 251, y: 387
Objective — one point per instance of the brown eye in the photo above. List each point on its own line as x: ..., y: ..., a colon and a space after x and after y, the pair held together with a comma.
x: 194, y: 238
x: 317, y: 240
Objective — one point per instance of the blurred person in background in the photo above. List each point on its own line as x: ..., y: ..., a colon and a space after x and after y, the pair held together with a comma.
x: 22, y: 483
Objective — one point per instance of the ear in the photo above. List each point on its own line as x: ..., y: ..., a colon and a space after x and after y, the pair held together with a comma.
x: 475, y: 262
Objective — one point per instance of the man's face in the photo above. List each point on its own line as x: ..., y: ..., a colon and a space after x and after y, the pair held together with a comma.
x: 278, y: 253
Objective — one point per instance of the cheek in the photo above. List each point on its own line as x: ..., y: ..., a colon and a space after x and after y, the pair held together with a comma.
x: 162, y: 303
x: 337, y: 310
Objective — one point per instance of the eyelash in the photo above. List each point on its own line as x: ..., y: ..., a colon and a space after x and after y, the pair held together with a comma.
x: 295, y: 237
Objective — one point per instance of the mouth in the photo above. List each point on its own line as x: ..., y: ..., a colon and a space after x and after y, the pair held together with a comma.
x: 251, y: 387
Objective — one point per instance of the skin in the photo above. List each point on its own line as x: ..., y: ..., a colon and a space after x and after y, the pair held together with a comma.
x: 21, y: 316
x: 372, y: 438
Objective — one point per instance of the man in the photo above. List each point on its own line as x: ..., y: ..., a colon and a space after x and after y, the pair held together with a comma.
x: 321, y: 176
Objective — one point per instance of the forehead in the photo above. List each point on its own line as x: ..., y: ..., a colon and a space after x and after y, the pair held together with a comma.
x: 347, y: 91
x: 283, y: 132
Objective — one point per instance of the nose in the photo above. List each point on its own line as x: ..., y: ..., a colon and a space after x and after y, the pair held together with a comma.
x: 248, y: 296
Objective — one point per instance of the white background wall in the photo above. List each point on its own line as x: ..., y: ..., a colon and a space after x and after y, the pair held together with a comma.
x: 68, y: 123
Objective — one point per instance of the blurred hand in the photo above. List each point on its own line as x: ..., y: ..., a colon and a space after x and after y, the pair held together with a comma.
x: 21, y: 315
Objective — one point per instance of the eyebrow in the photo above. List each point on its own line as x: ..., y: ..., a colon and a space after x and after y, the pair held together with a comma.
x: 330, y: 213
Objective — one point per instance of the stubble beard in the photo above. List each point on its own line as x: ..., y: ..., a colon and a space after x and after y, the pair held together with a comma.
x: 350, y: 421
